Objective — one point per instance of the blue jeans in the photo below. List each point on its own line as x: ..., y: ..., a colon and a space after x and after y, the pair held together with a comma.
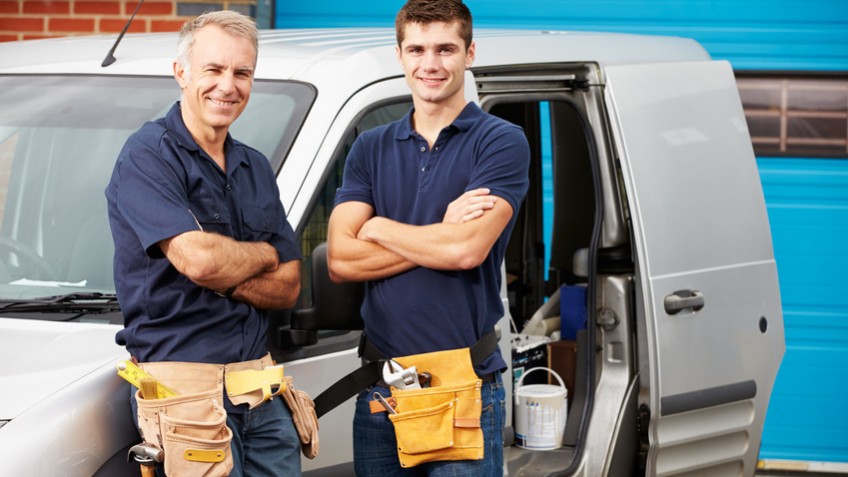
x: 375, y: 445
x: 265, y: 442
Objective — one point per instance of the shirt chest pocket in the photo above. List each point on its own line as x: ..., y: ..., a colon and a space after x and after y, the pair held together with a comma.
x: 260, y: 223
x: 212, y: 216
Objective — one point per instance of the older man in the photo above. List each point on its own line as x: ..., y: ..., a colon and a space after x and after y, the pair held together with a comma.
x: 202, y: 250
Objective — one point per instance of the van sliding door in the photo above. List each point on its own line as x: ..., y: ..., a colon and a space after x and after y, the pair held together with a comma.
x: 711, y: 338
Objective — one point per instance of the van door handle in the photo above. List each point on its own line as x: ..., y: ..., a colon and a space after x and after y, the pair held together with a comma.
x: 683, y: 300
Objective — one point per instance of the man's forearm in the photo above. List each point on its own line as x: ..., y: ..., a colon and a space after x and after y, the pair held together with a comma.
x: 444, y: 246
x: 271, y: 290
x: 358, y: 260
x: 218, y: 262
x: 350, y: 259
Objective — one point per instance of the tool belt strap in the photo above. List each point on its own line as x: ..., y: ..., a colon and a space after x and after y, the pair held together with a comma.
x: 247, y: 382
x: 371, y: 372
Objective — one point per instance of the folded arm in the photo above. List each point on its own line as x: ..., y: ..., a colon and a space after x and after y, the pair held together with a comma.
x: 364, y: 247
x: 271, y: 290
x: 216, y: 261
x: 443, y: 246
x: 352, y: 259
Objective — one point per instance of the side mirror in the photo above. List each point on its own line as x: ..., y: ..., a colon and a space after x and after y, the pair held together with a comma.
x: 335, y: 306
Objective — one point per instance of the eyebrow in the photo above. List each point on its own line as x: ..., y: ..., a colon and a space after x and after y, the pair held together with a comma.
x: 439, y: 45
x: 221, y: 67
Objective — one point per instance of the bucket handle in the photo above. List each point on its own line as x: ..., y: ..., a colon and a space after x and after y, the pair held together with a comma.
x: 541, y: 368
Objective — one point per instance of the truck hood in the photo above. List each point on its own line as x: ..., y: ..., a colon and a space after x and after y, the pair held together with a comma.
x: 40, y: 358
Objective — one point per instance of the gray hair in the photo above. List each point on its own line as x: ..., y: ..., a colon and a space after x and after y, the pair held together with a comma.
x: 231, y: 22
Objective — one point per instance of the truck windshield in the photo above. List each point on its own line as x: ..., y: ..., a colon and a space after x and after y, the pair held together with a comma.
x: 59, y: 139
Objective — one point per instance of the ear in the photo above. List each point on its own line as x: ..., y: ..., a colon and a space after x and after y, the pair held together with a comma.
x: 469, y: 55
x: 180, y: 74
x: 398, y: 52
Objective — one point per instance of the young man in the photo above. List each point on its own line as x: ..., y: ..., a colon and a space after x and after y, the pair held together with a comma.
x: 423, y: 216
x: 193, y: 275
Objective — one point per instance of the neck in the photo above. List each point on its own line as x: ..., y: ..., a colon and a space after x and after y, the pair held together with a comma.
x: 210, y: 139
x: 429, y: 119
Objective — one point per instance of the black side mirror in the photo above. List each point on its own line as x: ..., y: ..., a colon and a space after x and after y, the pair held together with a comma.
x: 335, y: 306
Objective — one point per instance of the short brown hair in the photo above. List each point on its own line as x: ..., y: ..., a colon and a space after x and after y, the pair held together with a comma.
x: 430, y: 11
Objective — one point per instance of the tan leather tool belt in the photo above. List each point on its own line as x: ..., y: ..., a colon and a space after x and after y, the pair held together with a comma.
x: 191, y: 427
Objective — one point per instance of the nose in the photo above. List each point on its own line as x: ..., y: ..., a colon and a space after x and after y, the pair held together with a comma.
x: 227, y: 82
x: 431, y: 61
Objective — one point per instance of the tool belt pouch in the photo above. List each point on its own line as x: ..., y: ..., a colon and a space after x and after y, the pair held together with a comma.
x: 305, y: 420
x: 192, y: 426
x: 440, y: 422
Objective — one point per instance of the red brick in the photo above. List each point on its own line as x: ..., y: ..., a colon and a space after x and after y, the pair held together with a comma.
x: 39, y: 37
x: 22, y: 24
x: 46, y: 7
x: 150, y: 8
x: 166, y: 25
x: 139, y: 25
x: 8, y: 38
x: 70, y: 24
x: 95, y: 7
x: 7, y: 6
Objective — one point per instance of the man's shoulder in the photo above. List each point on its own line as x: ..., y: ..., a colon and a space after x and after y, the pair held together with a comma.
x: 150, y: 133
x: 251, y: 155
x: 383, y: 131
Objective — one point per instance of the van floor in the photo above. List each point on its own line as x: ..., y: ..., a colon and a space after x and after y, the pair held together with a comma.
x: 534, y: 463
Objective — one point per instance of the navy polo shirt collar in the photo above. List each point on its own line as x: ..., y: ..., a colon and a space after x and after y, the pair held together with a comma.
x: 470, y: 114
x: 175, y: 124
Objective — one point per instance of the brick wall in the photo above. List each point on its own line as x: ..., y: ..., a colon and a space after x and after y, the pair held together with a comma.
x: 31, y: 19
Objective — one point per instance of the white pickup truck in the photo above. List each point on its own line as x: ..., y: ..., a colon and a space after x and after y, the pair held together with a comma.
x: 657, y: 210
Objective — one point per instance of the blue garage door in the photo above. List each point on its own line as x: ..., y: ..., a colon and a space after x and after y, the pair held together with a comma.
x: 807, y: 202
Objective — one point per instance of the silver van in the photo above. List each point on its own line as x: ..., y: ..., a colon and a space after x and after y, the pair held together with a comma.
x: 644, y: 192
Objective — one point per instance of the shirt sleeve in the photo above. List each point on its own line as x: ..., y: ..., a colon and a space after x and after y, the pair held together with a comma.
x: 503, y: 165
x: 151, y: 197
x: 356, y: 184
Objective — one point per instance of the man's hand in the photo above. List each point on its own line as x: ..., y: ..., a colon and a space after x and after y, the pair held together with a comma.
x: 469, y: 206
x: 279, y: 288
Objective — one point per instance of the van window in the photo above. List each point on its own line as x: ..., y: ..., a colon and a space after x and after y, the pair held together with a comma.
x: 314, y: 231
x: 54, y: 230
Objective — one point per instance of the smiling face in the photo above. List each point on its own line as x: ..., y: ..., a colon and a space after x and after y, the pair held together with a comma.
x: 217, y: 85
x: 434, y: 59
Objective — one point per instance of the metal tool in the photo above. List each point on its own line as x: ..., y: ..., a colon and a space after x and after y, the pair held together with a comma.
x: 402, y: 378
x: 379, y: 397
x: 147, y: 457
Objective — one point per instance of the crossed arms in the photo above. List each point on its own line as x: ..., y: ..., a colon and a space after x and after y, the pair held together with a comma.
x: 364, y: 247
x: 219, y: 263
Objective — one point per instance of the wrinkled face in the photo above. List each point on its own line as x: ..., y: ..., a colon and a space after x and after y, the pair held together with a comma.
x: 217, y: 86
x: 434, y: 59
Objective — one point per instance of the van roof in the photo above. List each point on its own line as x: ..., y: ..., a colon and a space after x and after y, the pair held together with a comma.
x: 362, y: 55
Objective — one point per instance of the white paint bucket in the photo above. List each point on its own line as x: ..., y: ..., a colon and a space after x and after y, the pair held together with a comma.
x: 540, y: 412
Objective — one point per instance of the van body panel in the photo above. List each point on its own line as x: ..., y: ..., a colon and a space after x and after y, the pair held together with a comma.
x: 693, y: 186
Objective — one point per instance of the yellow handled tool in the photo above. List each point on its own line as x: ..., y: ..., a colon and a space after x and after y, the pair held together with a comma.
x: 137, y: 377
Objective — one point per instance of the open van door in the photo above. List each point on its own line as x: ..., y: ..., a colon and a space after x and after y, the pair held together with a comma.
x: 711, y: 334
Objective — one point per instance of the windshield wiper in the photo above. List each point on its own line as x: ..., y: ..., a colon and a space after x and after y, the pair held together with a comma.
x: 68, y: 302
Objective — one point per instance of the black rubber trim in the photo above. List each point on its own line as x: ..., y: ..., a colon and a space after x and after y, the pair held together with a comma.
x: 708, y: 397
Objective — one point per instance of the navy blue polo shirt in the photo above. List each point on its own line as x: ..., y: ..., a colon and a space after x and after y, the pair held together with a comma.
x: 163, y: 185
x: 392, y: 169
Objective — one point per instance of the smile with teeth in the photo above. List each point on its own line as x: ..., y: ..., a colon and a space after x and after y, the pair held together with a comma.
x: 221, y: 103
x: 432, y: 80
